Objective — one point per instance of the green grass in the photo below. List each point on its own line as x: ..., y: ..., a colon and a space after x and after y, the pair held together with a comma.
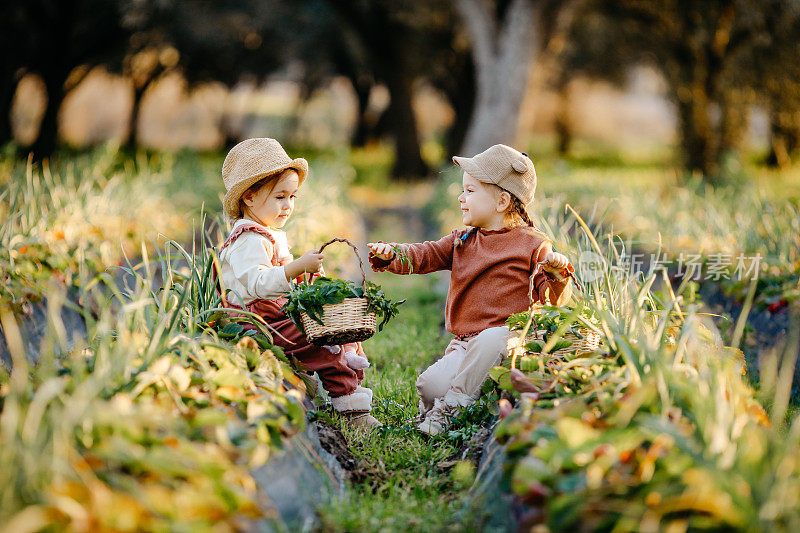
x: 406, y: 490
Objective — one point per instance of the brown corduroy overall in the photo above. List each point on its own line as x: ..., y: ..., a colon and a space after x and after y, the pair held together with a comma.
x: 337, y: 378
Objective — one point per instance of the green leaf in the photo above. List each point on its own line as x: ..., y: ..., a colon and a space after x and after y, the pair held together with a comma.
x: 534, y: 346
x: 232, y: 328
x: 501, y: 376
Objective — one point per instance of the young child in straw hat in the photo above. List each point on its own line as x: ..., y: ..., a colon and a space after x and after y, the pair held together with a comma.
x: 261, y: 181
x: 496, y: 268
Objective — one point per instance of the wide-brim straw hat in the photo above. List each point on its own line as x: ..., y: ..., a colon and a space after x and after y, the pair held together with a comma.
x: 505, y: 167
x: 250, y: 161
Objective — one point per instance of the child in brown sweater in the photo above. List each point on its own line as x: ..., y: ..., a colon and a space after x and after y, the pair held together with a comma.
x: 491, y: 265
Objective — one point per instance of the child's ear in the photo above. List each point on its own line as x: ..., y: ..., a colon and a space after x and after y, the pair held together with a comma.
x: 247, y: 197
x: 503, y: 201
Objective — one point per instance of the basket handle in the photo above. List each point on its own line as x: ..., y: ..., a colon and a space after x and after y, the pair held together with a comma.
x: 360, y: 265
x: 536, y: 271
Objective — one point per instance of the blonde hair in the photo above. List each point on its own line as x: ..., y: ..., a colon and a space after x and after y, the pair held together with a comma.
x: 516, y: 215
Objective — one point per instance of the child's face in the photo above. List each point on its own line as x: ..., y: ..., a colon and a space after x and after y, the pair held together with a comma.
x: 481, y: 204
x: 272, y: 206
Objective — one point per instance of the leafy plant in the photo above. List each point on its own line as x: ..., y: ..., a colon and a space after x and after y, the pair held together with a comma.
x: 402, y: 257
x: 156, y: 407
x: 547, y: 319
x: 62, y: 224
x: 658, y: 432
x: 310, y: 298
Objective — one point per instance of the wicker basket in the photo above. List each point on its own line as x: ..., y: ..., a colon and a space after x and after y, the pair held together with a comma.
x: 344, y: 322
x: 588, y: 344
x: 580, y: 346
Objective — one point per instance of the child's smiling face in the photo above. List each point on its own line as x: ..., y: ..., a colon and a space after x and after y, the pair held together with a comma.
x: 272, y: 206
x: 482, y: 205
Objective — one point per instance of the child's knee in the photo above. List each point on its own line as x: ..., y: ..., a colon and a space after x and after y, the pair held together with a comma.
x: 493, y: 342
x: 428, y: 386
x: 422, y: 387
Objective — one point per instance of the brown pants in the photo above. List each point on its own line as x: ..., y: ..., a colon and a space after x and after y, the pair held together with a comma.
x: 337, y: 378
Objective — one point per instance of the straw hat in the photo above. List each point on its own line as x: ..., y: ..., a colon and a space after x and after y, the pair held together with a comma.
x: 504, y: 167
x: 250, y: 161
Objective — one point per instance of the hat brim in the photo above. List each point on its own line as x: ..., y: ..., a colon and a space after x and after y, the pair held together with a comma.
x: 473, y: 169
x: 230, y: 204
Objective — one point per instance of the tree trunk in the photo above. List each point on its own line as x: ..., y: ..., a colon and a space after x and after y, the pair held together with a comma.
x: 47, y: 140
x: 502, y: 53
x: 385, y: 53
x: 706, y: 139
x: 364, y: 125
x: 459, y: 89
x: 732, y: 122
x: 462, y: 108
x: 785, y: 137
x: 696, y: 136
x: 7, y: 88
x: 401, y: 122
x: 563, y: 122
x: 133, y: 123
x: 54, y: 66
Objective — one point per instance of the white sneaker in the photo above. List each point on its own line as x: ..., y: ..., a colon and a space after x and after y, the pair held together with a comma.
x: 431, y: 426
x: 437, y: 419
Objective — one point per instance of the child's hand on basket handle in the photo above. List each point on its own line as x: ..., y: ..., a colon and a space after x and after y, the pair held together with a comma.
x: 554, y: 263
x: 310, y: 261
x: 382, y: 250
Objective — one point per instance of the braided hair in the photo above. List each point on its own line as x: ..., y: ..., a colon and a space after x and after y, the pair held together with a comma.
x: 517, y: 211
x: 461, y: 240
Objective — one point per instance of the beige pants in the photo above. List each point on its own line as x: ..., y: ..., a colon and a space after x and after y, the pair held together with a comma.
x: 457, y: 377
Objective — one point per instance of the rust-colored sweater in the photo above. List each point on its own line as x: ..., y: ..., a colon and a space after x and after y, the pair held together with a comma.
x: 489, y: 274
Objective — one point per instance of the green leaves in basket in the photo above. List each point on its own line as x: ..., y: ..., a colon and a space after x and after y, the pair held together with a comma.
x: 538, y: 346
x: 384, y: 308
x: 310, y: 298
x: 548, y: 318
x: 534, y: 346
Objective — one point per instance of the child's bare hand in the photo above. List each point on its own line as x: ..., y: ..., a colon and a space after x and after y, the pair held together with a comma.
x: 554, y: 262
x: 382, y: 250
x: 310, y: 261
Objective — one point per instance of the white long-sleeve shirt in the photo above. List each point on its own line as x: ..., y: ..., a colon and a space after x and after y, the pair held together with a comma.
x: 247, y: 264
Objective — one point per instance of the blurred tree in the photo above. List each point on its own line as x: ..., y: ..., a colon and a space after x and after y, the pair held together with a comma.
x: 506, y: 38
x: 15, y: 48
x: 206, y: 40
x: 701, y: 47
x: 773, y: 69
x: 378, y: 46
x: 51, y: 38
x: 589, y: 46
x: 397, y: 45
x: 61, y: 40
